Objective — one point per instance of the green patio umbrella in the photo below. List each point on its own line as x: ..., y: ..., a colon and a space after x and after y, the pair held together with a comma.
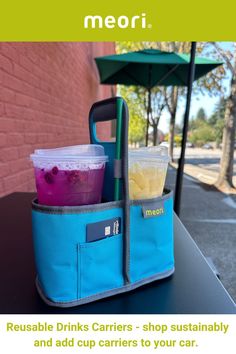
x: 150, y: 68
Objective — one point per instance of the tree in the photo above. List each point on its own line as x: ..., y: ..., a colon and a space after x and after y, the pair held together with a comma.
x: 219, y: 127
x: 172, y: 103
x: 225, y: 178
x: 172, y: 94
x: 210, y: 83
x: 216, y: 121
x: 137, y: 96
x: 201, y: 114
x: 178, y: 129
x: 137, y: 126
x: 158, y: 105
x: 203, y: 130
x: 202, y: 135
x: 219, y: 111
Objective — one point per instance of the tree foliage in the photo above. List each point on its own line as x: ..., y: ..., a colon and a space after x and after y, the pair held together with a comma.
x: 203, y: 130
x: 137, y: 126
x: 211, y: 84
x: 135, y: 96
x: 201, y: 114
x: 217, y: 120
x: 202, y: 135
x: 225, y: 178
x: 219, y: 111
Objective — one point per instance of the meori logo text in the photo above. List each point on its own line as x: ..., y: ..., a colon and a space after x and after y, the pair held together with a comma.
x: 112, y: 22
x: 154, y: 212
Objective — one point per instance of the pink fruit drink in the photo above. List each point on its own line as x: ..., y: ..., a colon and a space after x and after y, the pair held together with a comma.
x: 60, y: 187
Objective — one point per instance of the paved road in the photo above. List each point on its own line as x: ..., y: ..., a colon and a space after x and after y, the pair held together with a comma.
x: 208, y: 162
x: 203, y: 158
x: 203, y: 164
x: 210, y: 218
x: 196, y: 152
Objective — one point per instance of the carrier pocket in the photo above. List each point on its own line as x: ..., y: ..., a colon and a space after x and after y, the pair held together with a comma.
x: 57, y: 232
x: 100, y: 266
x: 151, y: 237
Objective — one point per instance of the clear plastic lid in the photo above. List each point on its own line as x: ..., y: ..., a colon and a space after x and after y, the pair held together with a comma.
x: 85, y: 150
x: 69, y: 156
x: 159, y: 153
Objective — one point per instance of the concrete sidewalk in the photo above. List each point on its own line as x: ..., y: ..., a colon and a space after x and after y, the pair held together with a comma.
x: 203, y: 164
x: 210, y: 218
x: 202, y: 174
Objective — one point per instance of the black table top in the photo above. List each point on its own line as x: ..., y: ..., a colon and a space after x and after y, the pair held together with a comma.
x: 193, y: 288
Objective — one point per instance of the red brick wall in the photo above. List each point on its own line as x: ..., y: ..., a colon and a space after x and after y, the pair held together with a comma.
x: 46, y: 90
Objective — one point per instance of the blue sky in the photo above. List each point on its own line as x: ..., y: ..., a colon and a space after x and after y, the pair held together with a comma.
x: 205, y: 101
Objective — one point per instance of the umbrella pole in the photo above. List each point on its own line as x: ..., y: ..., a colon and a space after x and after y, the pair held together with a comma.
x: 148, y: 114
x: 180, y: 171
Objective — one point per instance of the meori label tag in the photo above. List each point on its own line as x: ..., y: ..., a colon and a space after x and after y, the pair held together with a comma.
x: 153, y: 210
x: 99, y: 230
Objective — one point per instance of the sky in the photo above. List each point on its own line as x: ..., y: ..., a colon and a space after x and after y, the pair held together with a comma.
x: 205, y: 101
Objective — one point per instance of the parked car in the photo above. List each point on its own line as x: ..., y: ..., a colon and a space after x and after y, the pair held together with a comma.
x: 207, y: 146
x: 165, y: 143
x: 189, y: 144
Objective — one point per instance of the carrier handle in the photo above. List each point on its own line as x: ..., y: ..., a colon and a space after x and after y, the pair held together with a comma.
x: 111, y: 109
x: 107, y: 110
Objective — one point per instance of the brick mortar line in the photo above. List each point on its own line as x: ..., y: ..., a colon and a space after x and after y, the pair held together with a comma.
x: 32, y: 86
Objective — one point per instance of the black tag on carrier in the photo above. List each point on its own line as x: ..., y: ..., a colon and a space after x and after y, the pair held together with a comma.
x: 153, y: 209
x: 102, y: 229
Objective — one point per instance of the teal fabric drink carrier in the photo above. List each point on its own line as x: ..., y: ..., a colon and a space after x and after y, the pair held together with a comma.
x: 72, y: 271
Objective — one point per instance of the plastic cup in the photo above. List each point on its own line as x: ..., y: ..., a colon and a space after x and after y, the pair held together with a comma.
x: 147, y: 172
x: 69, y: 176
x: 82, y: 150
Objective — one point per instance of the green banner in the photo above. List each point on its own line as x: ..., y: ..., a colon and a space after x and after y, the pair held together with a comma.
x: 153, y: 20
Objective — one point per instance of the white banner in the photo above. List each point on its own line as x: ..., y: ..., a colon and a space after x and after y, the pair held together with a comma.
x: 201, y: 334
